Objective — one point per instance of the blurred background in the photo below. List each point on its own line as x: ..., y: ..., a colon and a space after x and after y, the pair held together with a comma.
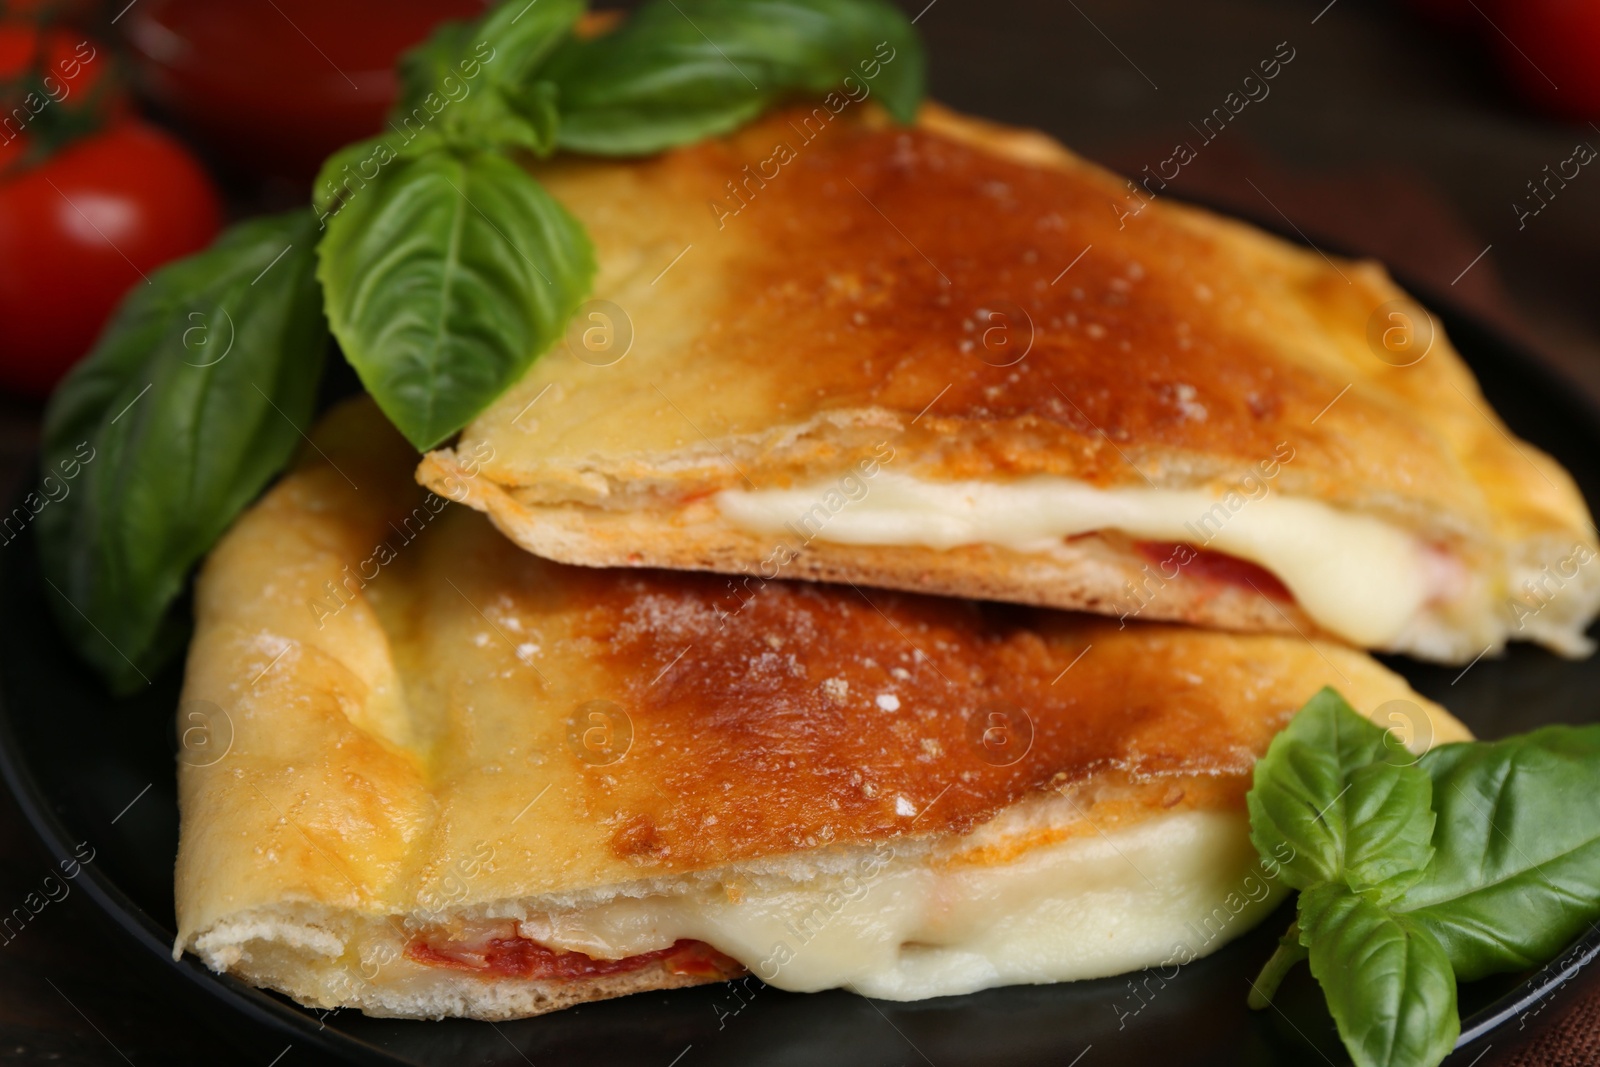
x: 1456, y: 140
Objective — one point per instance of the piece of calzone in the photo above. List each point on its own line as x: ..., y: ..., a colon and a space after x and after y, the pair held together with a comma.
x: 958, y: 359
x: 428, y: 774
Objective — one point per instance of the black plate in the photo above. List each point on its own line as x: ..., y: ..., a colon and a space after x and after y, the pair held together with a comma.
x: 87, y: 768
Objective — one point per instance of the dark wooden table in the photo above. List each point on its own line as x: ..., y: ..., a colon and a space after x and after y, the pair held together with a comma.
x: 1382, y: 136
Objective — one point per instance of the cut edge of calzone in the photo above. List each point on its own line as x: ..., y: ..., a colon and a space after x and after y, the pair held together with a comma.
x: 426, y: 773
x: 958, y: 359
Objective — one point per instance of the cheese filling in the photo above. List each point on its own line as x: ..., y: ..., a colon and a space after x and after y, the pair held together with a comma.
x: 1357, y: 576
x: 1159, y: 893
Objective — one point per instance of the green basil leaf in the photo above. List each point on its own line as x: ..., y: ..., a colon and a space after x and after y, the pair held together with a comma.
x: 1389, y: 821
x: 469, y: 78
x: 681, y: 70
x: 190, y: 402
x: 1307, y: 794
x: 355, y: 166
x: 1387, y: 980
x: 522, y: 34
x: 444, y: 279
x: 1388, y: 826
x: 425, y: 68
x: 513, y: 117
x: 1516, y: 868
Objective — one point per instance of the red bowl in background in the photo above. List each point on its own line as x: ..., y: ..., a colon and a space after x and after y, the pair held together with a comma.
x: 275, y: 86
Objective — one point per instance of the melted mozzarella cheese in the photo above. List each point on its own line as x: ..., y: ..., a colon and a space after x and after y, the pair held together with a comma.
x: 1357, y: 576
x: 1160, y: 893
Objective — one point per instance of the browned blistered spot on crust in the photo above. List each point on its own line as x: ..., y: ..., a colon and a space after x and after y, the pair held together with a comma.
x: 638, y: 839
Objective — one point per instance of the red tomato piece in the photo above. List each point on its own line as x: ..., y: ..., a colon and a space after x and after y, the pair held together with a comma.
x: 78, y: 230
x: 1209, y: 565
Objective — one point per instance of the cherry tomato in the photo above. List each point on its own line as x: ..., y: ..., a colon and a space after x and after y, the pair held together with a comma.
x: 69, y: 69
x: 79, y: 229
x: 56, y: 85
x: 19, y: 42
x: 13, y: 150
x: 1551, y: 52
x: 279, y: 85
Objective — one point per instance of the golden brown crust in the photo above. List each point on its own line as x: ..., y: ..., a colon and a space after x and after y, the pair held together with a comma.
x: 835, y: 305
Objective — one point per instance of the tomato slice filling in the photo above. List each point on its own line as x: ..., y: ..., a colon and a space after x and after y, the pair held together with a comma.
x: 514, y: 956
x: 1212, y: 566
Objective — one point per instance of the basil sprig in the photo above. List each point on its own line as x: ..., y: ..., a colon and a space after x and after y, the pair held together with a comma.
x: 1478, y: 858
x: 445, y: 269
x: 422, y: 288
x: 192, y: 400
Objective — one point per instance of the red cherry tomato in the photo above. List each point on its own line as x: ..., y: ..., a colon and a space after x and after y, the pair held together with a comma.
x: 78, y: 230
x: 67, y: 68
x: 19, y: 42
x: 1550, y: 52
x: 56, y: 85
x: 12, y: 151
x: 279, y: 85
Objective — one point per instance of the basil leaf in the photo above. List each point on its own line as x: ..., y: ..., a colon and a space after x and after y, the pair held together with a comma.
x: 425, y: 68
x: 1387, y: 980
x: 1389, y: 828
x: 512, y: 117
x: 444, y: 279
x: 476, y: 76
x: 681, y: 70
x: 1340, y: 823
x: 1387, y: 822
x: 522, y: 33
x: 1516, y: 868
x: 355, y: 166
x: 188, y: 405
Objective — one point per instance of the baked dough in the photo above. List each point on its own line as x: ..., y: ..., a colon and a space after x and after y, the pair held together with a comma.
x: 426, y: 773
x: 783, y: 305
